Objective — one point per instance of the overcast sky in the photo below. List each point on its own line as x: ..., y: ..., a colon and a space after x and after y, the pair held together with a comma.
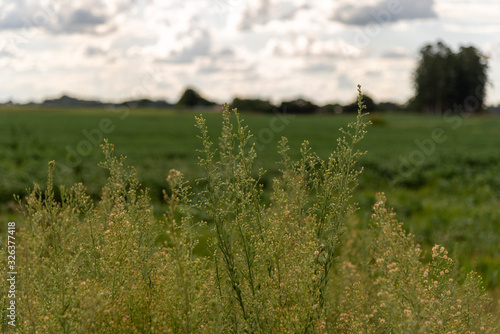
x: 276, y: 49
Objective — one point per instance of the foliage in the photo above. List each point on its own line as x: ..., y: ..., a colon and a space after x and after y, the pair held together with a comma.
x: 450, y: 81
x: 390, y: 106
x: 331, y: 108
x: 191, y: 98
x: 111, y: 267
x: 258, y: 105
x: 299, y: 106
x: 384, y: 287
x: 274, y: 263
x: 452, y: 198
x: 371, y: 106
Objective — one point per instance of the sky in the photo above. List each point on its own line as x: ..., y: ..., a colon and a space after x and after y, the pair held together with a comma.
x: 115, y: 50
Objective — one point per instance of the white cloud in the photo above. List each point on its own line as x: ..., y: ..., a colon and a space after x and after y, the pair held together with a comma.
x: 88, y: 17
x: 460, y: 28
x: 493, y: 50
x: 262, y: 12
x: 226, y: 60
x: 303, y: 46
x: 470, y: 12
x: 396, y: 52
x: 319, y: 67
x: 258, y: 12
x: 190, y: 45
x: 95, y: 50
x: 363, y: 13
x: 8, y: 49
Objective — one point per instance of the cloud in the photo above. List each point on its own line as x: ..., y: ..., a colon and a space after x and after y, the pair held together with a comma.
x: 183, y: 46
x: 9, y: 50
x: 80, y: 20
x: 225, y: 52
x: 472, y: 13
x: 396, y: 52
x: 311, y: 47
x: 209, y: 69
x: 190, y: 45
x: 319, y: 68
x: 255, y: 14
x: 345, y: 82
x: 95, y: 50
x: 384, y: 12
x: 6, y: 54
x: 89, y: 17
x: 224, y: 61
x: 86, y: 17
x: 493, y: 50
x: 261, y: 12
x: 373, y: 74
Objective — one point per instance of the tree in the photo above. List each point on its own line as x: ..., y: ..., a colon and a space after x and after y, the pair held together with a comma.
x: 258, y: 105
x: 299, y: 106
x: 450, y: 81
x: 192, y: 98
x: 371, y: 106
x: 332, y: 108
x: 389, y: 106
x: 471, y: 71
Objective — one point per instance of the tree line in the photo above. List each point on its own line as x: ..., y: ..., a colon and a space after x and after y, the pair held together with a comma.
x: 444, y: 82
x: 192, y: 99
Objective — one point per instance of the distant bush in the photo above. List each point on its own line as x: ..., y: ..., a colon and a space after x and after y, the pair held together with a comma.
x: 111, y: 267
x: 252, y: 105
x: 330, y: 108
x: 191, y: 98
x: 390, y: 106
x: 378, y: 120
x: 299, y: 106
x: 368, y: 102
x: 146, y: 103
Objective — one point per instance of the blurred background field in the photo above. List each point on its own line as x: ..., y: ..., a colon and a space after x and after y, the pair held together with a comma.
x: 450, y: 197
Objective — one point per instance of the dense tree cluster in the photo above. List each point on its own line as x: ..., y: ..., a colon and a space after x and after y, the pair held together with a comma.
x: 448, y: 81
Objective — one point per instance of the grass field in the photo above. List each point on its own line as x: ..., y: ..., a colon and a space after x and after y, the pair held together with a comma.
x: 446, y: 189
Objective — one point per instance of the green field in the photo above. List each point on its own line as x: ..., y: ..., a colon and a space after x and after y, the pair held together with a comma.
x: 449, y: 193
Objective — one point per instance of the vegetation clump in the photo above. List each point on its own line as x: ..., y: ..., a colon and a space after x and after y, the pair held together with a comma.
x: 293, y: 265
x: 448, y: 82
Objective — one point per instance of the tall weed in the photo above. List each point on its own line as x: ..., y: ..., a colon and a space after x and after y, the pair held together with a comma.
x: 293, y: 265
